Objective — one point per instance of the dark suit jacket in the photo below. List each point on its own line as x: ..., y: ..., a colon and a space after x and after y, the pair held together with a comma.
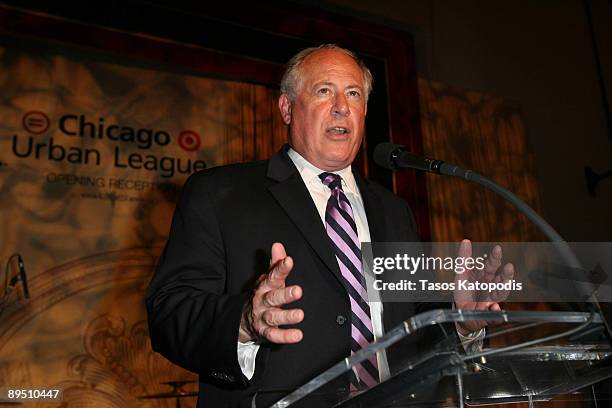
x: 224, y: 225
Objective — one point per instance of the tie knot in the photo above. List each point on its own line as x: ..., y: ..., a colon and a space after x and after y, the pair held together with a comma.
x: 331, y: 180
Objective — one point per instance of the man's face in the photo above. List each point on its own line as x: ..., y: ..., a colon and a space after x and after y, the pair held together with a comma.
x: 327, y: 117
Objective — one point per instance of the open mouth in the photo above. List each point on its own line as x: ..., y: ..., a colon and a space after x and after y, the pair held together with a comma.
x: 338, y: 130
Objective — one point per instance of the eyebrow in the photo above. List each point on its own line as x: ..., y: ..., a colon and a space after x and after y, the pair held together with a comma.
x: 332, y: 84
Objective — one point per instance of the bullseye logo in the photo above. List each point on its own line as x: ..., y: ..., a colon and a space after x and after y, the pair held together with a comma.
x: 189, y: 140
x: 35, y: 122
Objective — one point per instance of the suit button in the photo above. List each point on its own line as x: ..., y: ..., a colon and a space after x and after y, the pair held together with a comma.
x: 340, y: 320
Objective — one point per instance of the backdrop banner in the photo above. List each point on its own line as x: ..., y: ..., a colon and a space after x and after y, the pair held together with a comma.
x: 93, y: 154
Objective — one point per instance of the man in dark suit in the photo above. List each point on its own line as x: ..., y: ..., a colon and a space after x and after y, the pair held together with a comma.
x: 251, y: 291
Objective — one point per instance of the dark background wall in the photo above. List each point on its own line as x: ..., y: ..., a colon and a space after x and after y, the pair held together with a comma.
x: 539, y: 54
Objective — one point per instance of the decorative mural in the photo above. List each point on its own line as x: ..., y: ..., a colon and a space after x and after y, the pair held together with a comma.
x: 93, y: 155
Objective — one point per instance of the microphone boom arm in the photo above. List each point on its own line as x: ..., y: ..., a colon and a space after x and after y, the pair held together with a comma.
x: 392, y: 156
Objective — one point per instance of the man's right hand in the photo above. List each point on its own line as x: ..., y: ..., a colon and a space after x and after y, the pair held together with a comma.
x: 263, y: 314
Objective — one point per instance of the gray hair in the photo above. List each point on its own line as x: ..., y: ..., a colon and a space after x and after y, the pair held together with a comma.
x: 293, y: 71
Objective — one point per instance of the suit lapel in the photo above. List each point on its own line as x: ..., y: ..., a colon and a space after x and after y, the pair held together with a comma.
x: 293, y: 196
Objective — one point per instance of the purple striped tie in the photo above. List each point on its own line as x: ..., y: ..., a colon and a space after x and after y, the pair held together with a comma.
x: 342, y: 231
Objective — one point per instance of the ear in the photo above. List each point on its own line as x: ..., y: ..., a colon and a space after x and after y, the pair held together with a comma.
x: 284, y: 105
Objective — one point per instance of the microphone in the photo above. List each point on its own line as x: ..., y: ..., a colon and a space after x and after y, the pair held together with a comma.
x: 392, y: 157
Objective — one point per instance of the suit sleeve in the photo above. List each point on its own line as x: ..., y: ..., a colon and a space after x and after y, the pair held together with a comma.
x: 192, y: 322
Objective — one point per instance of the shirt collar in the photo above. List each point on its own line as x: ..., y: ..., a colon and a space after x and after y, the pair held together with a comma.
x: 310, y: 173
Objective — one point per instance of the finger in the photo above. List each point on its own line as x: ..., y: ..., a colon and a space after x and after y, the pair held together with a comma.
x: 279, y: 297
x: 282, y: 336
x: 465, y: 251
x: 496, y: 253
x: 495, y: 307
x: 507, y: 272
x: 277, y: 253
x: 465, y: 248
x: 471, y: 306
x: 483, y: 306
x: 279, y: 317
x: 278, y: 274
x: 504, y: 277
x: 493, y: 262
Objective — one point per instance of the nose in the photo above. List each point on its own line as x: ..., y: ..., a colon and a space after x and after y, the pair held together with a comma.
x: 340, y: 105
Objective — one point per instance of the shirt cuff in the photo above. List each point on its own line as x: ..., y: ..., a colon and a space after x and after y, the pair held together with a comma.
x: 472, y: 342
x: 247, y: 353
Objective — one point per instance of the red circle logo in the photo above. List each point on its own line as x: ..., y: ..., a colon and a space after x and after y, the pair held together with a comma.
x: 35, y: 122
x: 189, y: 140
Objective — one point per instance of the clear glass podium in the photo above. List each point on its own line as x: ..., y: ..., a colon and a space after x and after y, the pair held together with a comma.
x: 525, y: 356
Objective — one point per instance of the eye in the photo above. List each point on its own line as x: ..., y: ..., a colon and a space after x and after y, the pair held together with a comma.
x: 324, y: 91
x: 354, y: 93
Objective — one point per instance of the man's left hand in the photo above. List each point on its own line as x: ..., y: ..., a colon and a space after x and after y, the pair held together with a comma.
x: 481, y: 300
